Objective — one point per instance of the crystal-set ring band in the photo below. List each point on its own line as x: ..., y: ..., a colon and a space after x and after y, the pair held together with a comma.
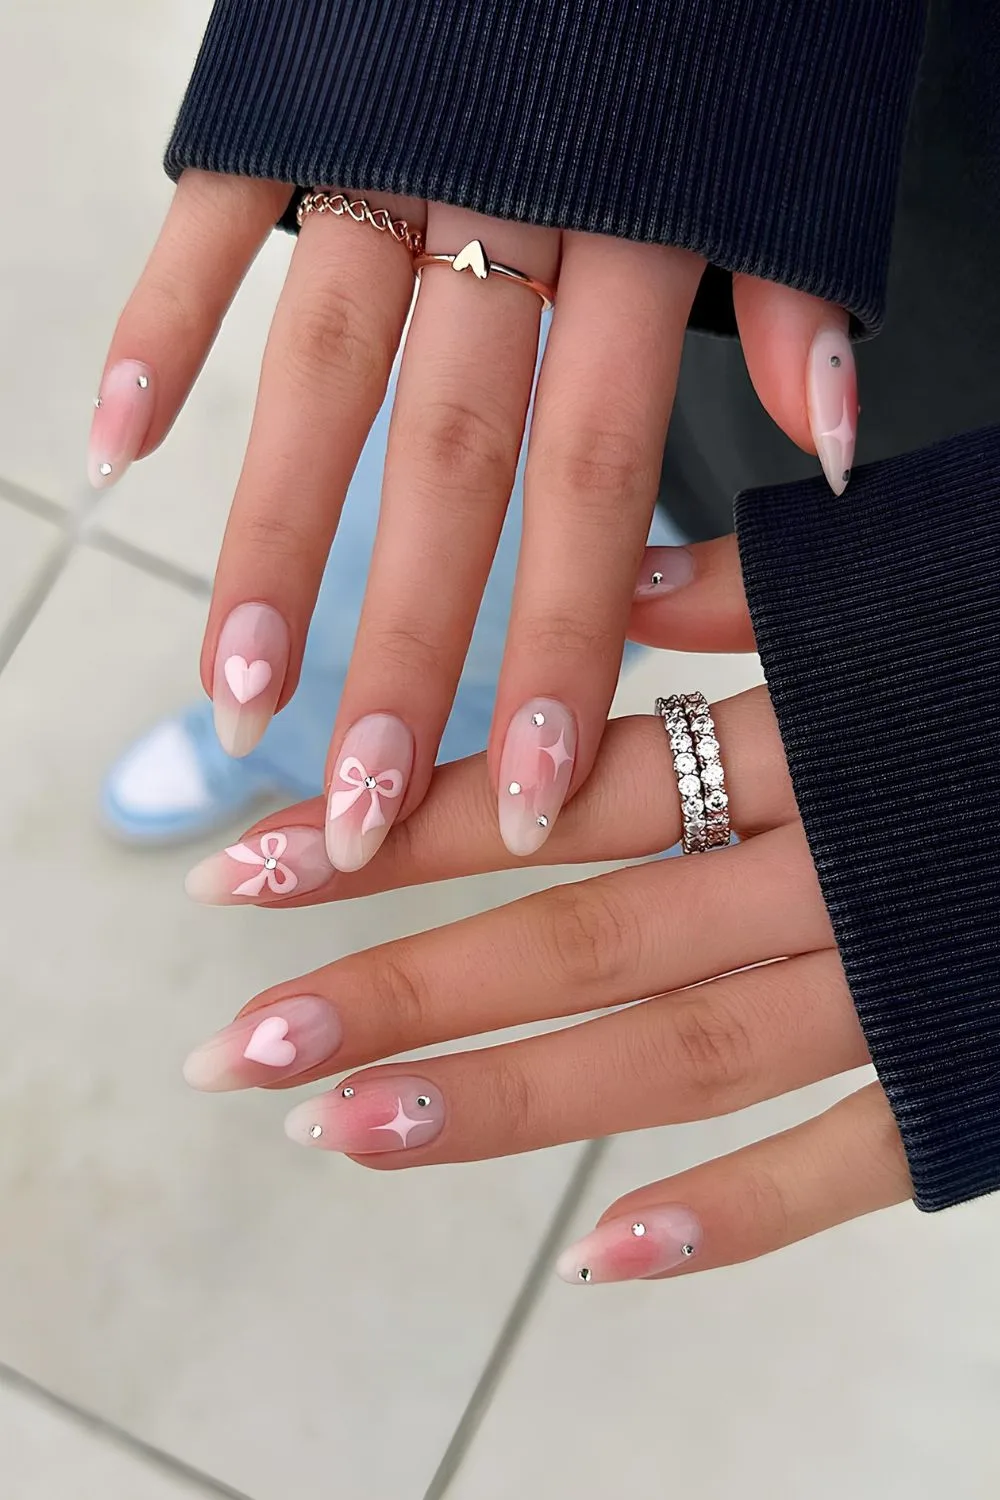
x: 701, y: 780
x: 319, y: 202
x: 472, y: 257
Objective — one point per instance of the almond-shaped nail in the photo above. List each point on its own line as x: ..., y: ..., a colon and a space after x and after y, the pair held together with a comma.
x: 124, y: 410
x: 262, y: 868
x: 367, y: 789
x: 250, y: 664
x: 277, y: 1041
x: 536, y: 767
x: 832, y: 394
x: 369, y: 1116
x: 663, y: 570
x: 645, y: 1244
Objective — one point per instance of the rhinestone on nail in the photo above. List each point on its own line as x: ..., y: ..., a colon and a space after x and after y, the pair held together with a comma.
x: 835, y: 361
x: 638, y: 1229
x: 656, y: 578
x: 515, y: 789
x: 538, y: 720
x: 98, y: 403
x: 371, y: 783
x: 142, y: 381
x: 847, y: 475
x: 270, y: 863
x: 105, y: 469
x: 347, y: 1093
x: 687, y: 1250
x: 584, y: 1273
x: 315, y: 1131
x: 423, y: 1101
x: 542, y: 821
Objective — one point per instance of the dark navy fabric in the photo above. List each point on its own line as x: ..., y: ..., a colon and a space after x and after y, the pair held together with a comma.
x: 877, y: 617
x: 763, y: 134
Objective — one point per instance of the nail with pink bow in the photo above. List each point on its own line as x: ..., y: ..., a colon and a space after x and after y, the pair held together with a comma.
x: 367, y: 789
x: 262, y: 868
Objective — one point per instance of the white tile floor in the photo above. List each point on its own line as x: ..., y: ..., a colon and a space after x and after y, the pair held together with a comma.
x: 273, y: 1323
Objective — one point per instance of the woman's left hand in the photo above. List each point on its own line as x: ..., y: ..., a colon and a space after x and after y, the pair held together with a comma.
x: 732, y: 957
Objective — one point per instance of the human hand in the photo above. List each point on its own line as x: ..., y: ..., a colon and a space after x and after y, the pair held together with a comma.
x: 731, y: 957
x: 601, y: 412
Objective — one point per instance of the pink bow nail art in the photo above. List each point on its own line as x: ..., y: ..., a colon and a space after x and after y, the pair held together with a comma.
x: 278, y: 877
x: 383, y: 784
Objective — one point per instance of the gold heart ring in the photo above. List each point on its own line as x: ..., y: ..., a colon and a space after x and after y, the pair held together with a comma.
x: 472, y: 257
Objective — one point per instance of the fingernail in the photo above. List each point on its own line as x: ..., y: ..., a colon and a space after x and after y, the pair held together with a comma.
x: 663, y: 570
x: 367, y: 789
x: 535, y: 771
x: 250, y: 664
x: 832, y: 394
x: 651, y: 1241
x: 264, y: 868
x: 277, y: 1041
x: 374, y: 1114
x: 124, y: 410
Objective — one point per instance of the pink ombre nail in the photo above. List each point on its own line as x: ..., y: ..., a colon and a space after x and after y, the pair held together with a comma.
x: 832, y: 393
x: 367, y: 789
x: 124, y: 410
x: 536, y: 767
x: 647, y: 1243
x: 371, y: 1115
x: 277, y: 1041
x: 663, y: 570
x: 250, y: 664
x: 263, y: 868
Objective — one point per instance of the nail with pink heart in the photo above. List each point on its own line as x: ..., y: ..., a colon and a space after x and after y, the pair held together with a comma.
x: 250, y: 664
x: 262, y: 868
x: 278, y: 1041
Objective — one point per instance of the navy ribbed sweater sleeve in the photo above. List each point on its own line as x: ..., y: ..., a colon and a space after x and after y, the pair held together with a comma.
x: 763, y: 134
x: 876, y: 617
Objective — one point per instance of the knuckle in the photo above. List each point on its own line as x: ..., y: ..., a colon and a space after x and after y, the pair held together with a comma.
x: 401, y: 992
x: 513, y: 1100
x: 586, y: 936
x: 564, y: 635
x: 715, y: 1050
x: 332, y: 337
x: 766, y: 1208
x: 408, y: 649
x: 601, y: 465
x: 463, y: 445
x: 272, y: 535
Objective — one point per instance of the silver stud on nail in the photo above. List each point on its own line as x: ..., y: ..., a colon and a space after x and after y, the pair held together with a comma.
x: 638, y: 1229
x: 371, y: 783
x: 542, y: 821
x: 270, y: 864
x: 515, y: 789
x: 847, y: 475
x: 315, y: 1131
x: 104, y: 469
x: 98, y: 403
x: 347, y: 1093
x: 142, y: 381
x: 687, y: 1250
x: 835, y: 361
x: 657, y: 578
x: 584, y: 1273
x: 538, y: 720
x: 423, y: 1101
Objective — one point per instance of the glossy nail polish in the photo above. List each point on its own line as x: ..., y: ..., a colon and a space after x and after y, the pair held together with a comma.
x: 646, y: 1243
x: 367, y: 789
x: 536, y: 767
x: 263, y: 868
x: 372, y: 1115
x: 250, y: 664
x: 832, y: 393
x: 123, y: 412
x: 664, y: 569
x: 277, y: 1041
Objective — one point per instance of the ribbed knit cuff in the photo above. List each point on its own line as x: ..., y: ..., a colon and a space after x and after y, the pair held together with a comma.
x: 764, y: 135
x: 876, y: 617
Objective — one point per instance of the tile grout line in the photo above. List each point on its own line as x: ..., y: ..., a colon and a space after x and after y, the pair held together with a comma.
x: 535, y: 1281
x: 138, y: 1447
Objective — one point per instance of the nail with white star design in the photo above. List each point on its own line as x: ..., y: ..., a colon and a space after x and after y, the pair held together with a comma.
x: 832, y: 396
x: 369, y: 1116
x: 536, y: 768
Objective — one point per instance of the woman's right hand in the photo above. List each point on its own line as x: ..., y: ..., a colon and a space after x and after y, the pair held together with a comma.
x: 600, y: 418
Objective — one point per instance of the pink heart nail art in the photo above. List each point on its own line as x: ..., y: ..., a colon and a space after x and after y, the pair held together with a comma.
x: 268, y: 1044
x: 246, y: 679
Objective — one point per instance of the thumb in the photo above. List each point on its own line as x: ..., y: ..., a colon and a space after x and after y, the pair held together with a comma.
x: 691, y: 599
